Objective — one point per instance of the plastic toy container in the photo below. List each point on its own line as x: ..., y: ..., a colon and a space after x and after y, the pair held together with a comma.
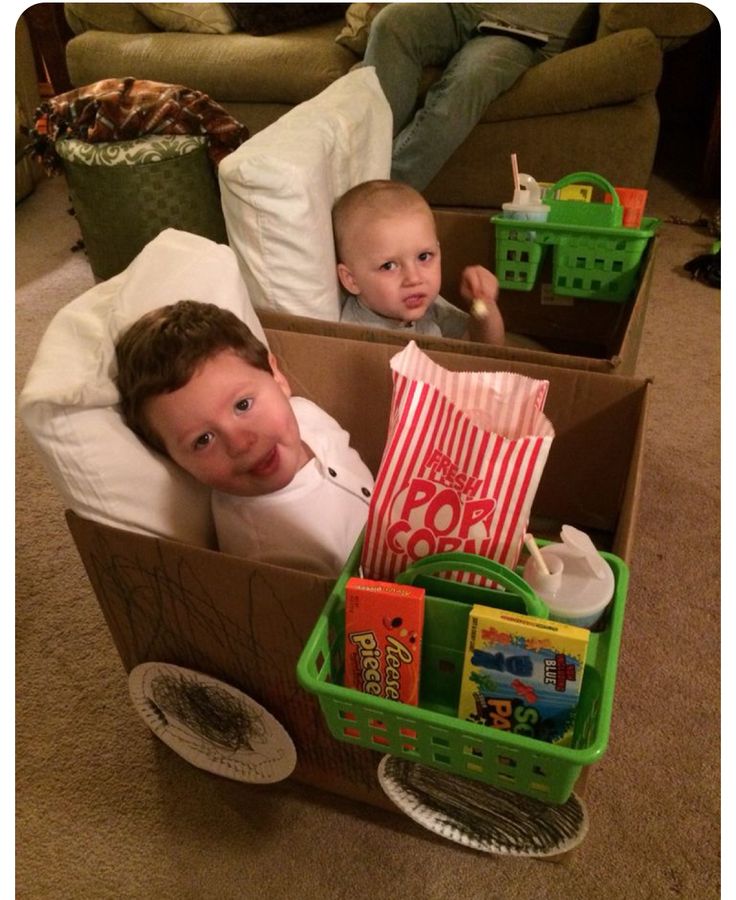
x: 593, y: 254
x: 431, y: 733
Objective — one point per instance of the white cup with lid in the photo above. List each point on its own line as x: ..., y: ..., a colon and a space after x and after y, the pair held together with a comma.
x: 527, y: 203
x: 579, y: 583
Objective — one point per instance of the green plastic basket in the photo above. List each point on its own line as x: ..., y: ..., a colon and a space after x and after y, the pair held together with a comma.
x: 431, y: 733
x: 593, y: 255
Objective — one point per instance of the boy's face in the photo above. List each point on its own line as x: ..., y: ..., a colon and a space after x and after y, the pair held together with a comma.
x: 232, y: 427
x: 392, y: 263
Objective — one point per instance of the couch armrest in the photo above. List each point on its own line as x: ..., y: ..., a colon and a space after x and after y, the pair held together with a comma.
x: 123, y: 17
x: 672, y: 23
x: 615, y: 69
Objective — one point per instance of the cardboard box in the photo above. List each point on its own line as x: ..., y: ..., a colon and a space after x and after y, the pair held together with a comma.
x: 246, y: 623
x: 593, y: 335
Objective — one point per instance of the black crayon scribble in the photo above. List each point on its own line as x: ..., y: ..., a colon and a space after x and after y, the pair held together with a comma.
x: 157, y: 613
x: 208, y: 710
x: 481, y: 816
x: 163, y: 610
x: 210, y: 724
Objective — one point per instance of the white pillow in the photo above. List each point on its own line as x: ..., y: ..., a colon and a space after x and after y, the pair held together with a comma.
x: 102, y: 470
x: 278, y: 189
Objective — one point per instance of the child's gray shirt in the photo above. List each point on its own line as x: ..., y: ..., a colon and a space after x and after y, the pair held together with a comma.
x: 442, y: 319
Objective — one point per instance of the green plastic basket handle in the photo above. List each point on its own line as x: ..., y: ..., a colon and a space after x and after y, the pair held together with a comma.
x: 587, y: 178
x: 477, y: 565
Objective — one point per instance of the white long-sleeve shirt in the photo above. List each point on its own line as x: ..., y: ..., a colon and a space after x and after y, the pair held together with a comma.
x: 313, y: 522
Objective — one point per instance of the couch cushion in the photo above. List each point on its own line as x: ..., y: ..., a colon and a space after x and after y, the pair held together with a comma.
x: 122, y: 17
x: 666, y: 20
x: 358, y: 20
x: 613, y: 70
x: 279, y: 187
x: 282, y: 68
x: 199, y: 18
x: 69, y: 401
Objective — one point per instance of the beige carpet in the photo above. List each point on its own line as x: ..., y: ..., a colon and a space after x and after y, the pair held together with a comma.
x: 105, y: 810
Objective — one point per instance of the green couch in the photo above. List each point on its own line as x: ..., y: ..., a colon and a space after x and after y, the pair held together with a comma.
x: 592, y: 108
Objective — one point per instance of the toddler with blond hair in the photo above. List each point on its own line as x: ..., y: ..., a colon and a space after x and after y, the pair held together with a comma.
x: 389, y: 263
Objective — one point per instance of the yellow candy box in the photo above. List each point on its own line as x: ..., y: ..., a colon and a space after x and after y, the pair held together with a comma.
x: 522, y: 673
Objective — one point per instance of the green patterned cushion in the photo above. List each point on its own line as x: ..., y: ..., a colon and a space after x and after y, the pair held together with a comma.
x: 125, y: 193
x: 146, y: 149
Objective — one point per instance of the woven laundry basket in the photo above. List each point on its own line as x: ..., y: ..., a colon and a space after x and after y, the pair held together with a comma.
x: 125, y: 192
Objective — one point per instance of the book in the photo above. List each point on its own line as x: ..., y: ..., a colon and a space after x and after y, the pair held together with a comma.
x: 383, y: 638
x: 528, y: 35
x: 522, y: 674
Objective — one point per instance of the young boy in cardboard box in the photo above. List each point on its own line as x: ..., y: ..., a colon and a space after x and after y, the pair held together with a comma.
x: 287, y: 488
x: 389, y: 262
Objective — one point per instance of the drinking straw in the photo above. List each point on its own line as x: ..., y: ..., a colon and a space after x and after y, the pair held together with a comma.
x: 515, y: 170
x: 531, y: 546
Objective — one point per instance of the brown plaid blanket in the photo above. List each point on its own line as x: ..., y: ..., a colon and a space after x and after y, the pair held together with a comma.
x: 124, y: 109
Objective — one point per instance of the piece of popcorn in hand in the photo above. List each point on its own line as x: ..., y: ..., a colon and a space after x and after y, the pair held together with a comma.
x: 479, y: 308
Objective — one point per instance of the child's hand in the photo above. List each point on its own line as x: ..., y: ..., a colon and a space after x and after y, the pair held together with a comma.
x: 477, y: 283
x: 480, y: 288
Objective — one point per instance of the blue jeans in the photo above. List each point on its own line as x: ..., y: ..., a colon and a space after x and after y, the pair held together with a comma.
x: 406, y: 37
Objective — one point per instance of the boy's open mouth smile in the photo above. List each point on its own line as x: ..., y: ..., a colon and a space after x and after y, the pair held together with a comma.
x: 267, y: 465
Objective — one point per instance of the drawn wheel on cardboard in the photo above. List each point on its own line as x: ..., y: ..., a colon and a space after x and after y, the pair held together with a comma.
x: 480, y: 816
x: 211, y: 724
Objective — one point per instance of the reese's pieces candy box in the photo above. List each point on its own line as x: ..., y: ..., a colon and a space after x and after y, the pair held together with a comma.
x: 383, y: 638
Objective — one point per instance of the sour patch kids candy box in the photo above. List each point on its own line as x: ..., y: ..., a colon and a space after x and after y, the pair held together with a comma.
x: 522, y: 673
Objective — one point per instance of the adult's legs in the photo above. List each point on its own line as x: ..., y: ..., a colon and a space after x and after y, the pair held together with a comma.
x: 483, y: 68
x: 406, y: 37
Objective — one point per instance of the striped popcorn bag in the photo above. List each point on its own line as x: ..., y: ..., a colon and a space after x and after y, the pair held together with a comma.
x: 462, y: 462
